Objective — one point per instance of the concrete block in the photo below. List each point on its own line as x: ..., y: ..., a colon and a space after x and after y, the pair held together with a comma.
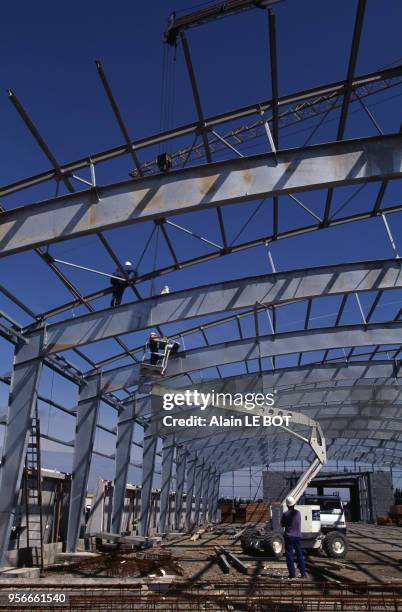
x: 20, y: 572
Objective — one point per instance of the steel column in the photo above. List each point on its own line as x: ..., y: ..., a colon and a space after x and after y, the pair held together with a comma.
x: 97, y: 512
x: 215, y: 499
x: 198, y: 480
x: 125, y: 429
x: 87, y: 417
x: 191, y: 465
x: 211, y: 491
x: 148, y: 468
x: 167, y: 464
x: 181, y: 458
x: 206, y: 483
x: 22, y: 401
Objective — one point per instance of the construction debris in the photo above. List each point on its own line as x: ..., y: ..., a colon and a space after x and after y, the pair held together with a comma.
x: 394, y: 516
x: 106, y: 541
x: 196, y: 536
x: 222, y: 562
x: 233, y: 560
x: 115, y: 564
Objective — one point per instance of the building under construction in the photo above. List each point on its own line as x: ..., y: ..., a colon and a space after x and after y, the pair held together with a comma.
x: 115, y: 497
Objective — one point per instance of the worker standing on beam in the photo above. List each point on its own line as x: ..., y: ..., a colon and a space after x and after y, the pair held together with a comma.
x: 119, y: 286
x: 291, y: 522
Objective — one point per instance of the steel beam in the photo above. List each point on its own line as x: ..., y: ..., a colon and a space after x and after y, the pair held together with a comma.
x: 191, y: 467
x: 388, y: 371
x: 328, y: 89
x: 268, y: 289
x: 125, y: 429
x: 215, y: 498
x: 167, y: 464
x: 96, y: 517
x: 388, y: 394
x: 148, y: 469
x: 181, y: 458
x: 87, y: 417
x: 283, y: 344
x: 211, y: 491
x: 202, y: 187
x: 206, y: 485
x: 198, y: 480
x: 22, y: 401
x: 385, y: 372
x: 362, y: 419
x: 234, y: 450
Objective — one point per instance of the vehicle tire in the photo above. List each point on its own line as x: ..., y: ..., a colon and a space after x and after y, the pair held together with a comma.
x: 246, y: 538
x: 335, y: 545
x: 273, y: 544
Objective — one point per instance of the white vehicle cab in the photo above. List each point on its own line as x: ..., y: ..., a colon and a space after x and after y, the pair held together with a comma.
x: 332, y: 513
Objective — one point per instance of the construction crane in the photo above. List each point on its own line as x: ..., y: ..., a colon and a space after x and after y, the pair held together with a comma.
x: 210, y: 13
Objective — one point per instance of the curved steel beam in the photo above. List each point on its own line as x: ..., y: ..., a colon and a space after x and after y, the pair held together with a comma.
x: 286, y: 344
x: 234, y: 248
x: 306, y: 399
x: 346, y: 420
x: 265, y: 290
x: 364, y: 82
x: 314, y: 167
x: 384, y: 372
x: 267, y: 346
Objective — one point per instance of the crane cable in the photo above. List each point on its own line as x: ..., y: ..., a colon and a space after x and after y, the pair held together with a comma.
x: 168, y: 91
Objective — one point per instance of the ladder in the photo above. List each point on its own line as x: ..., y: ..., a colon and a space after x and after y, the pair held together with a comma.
x: 33, y: 495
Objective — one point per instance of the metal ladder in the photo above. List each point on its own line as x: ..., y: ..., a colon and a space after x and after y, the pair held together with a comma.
x: 33, y: 495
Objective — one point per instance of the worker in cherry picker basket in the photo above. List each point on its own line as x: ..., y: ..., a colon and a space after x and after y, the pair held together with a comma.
x: 157, y: 347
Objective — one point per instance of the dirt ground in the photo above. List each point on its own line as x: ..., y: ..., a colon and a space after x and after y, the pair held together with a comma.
x: 375, y: 555
x: 370, y: 578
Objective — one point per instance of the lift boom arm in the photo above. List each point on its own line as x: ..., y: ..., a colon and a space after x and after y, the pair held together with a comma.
x: 318, y: 446
x: 316, y: 441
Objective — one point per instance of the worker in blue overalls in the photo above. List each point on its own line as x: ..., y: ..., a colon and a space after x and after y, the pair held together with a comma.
x: 291, y: 522
x: 119, y: 286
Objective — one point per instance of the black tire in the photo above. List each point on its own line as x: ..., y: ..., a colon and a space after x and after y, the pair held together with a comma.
x: 247, y: 536
x: 335, y: 545
x: 273, y: 544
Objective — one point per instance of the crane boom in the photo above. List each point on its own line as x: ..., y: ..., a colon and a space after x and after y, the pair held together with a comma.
x: 210, y: 13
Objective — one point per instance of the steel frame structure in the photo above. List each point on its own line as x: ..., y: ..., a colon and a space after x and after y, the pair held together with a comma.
x: 352, y: 388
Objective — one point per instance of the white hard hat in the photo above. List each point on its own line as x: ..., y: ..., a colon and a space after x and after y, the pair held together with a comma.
x: 290, y: 500
x: 128, y: 263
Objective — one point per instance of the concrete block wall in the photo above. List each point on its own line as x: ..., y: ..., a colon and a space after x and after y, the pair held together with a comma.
x: 382, y: 493
x: 55, y: 493
x: 275, y: 485
x: 375, y: 490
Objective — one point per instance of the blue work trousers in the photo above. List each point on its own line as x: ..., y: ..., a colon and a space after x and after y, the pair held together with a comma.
x: 292, y: 543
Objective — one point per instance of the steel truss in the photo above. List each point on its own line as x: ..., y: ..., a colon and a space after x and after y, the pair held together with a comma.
x: 352, y: 388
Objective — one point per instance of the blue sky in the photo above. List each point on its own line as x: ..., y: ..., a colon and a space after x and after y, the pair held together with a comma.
x: 48, y: 57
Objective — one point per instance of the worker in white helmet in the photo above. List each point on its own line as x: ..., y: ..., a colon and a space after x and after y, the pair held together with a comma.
x: 291, y: 522
x: 118, y: 285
